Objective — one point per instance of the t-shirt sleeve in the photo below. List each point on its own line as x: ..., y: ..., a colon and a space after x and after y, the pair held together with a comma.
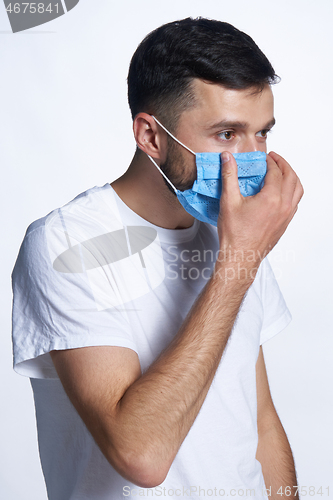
x: 276, y: 313
x: 58, y: 310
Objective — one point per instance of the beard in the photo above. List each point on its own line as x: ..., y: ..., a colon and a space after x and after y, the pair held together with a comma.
x: 177, y: 170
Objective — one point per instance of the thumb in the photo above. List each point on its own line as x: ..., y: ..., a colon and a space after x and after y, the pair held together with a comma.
x: 229, y: 174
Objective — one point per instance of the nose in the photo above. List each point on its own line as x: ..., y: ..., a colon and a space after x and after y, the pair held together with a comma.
x: 250, y: 144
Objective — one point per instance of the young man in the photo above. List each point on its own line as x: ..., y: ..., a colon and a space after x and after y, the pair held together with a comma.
x: 139, y: 324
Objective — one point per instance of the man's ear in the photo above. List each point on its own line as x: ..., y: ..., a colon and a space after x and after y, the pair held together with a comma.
x: 150, y: 138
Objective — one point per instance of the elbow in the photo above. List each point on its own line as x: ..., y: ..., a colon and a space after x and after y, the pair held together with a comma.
x: 146, y: 476
x: 140, y: 467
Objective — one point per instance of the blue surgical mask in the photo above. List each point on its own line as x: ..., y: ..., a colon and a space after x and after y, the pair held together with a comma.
x: 202, y: 200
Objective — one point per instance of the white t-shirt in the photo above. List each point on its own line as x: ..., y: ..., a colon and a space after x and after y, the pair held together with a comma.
x: 95, y: 273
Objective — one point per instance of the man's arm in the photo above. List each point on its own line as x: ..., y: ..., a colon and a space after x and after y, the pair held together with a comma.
x: 273, y: 451
x: 139, y: 421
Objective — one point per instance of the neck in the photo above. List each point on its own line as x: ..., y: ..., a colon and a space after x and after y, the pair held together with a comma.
x: 143, y: 189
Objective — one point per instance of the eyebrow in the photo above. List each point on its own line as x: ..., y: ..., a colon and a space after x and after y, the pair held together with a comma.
x: 240, y: 125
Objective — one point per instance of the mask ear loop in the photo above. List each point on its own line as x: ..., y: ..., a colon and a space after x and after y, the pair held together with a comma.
x: 165, y: 177
x: 175, y: 139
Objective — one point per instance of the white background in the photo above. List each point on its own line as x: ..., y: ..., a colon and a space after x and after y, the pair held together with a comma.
x: 65, y: 127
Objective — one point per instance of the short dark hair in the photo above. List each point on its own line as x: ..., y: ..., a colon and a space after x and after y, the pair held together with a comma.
x: 170, y: 57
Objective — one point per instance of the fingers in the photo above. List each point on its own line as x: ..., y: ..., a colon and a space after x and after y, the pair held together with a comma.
x: 230, y: 186
x: 281, y: 162
x: 273, y: 178
x: 257, y: 221
x: 292, y: 189
x: 282, y: 188
x: 299, y: 191
x: 291, y: 216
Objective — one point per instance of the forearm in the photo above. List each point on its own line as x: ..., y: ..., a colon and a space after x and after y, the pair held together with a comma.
x: 157, y: 411
x: 275, y: 455
x: 139, y: 421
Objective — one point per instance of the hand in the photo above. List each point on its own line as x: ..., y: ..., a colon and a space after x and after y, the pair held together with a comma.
x: 254, y: 224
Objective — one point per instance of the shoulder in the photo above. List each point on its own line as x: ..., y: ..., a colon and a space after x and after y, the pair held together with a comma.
x: 75, y: 221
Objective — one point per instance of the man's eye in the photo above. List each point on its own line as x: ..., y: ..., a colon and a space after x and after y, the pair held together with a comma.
x: 227, y: 135
x: 263, y: 133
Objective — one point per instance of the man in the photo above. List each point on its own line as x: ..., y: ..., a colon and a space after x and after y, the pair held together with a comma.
x: 141, y: 326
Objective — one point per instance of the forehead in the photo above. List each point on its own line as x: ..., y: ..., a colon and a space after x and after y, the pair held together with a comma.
x: 213, y: 102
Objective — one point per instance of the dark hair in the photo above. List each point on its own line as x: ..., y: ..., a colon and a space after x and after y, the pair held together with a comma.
x: 166, y: 61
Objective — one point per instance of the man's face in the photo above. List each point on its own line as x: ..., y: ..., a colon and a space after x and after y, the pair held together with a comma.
x: 221, y: 120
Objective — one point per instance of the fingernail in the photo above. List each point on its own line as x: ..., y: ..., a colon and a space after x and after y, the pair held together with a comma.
x: 225, y: 157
